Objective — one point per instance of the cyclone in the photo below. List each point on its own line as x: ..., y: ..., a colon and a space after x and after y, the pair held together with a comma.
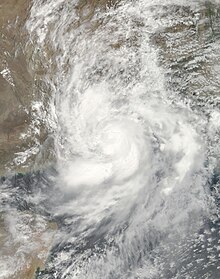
x: 113, y: 146
x: 135, y: 155
x: 131, y: 155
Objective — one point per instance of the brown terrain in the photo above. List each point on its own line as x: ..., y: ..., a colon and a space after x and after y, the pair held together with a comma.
x: 28, y: 239
x: 16, y: 82
x: 21, y: 83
